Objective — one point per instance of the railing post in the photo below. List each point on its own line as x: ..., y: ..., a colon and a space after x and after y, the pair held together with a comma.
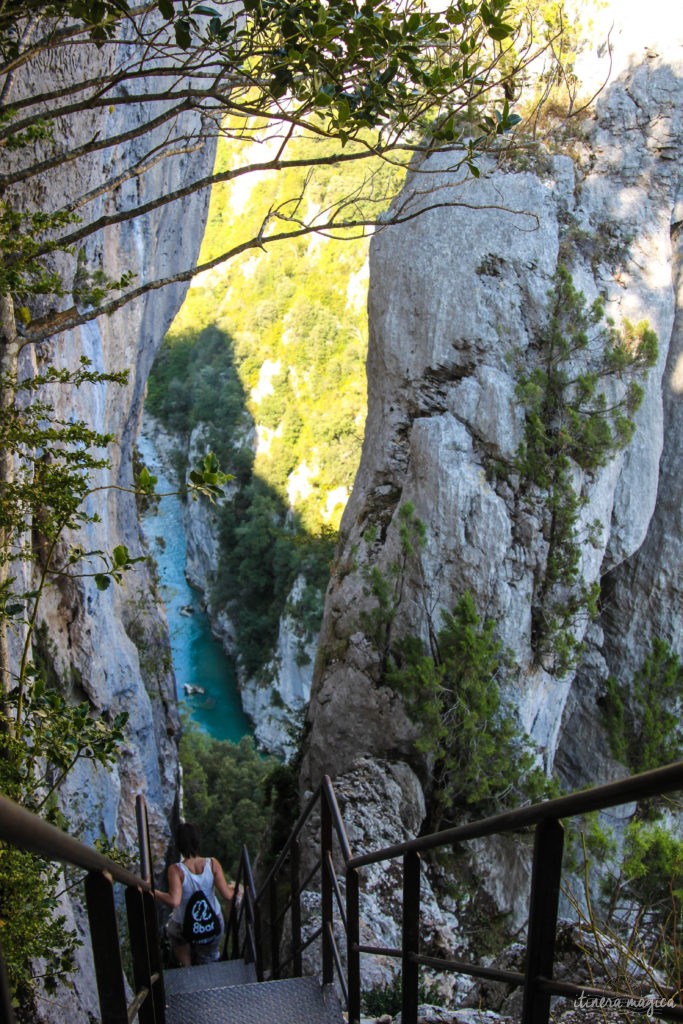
x: 231, y: 947
x: 326, y: 894
x: 295, y: 860
x: 352, y: 943
x: 146, y: 869
x: 411, y: 937
x: 543, y: 908
x: 150, y: 921
x: 137, y: 933
x: 155, y: 961
x: 257, y: 933
x: 274, y: 943
x: 106, y: 949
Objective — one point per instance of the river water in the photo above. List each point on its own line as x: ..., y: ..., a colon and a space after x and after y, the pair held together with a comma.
x: 198, y: 658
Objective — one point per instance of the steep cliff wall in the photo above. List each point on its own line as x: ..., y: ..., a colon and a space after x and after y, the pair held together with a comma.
x: 111, y: 647
x: 459, y: 299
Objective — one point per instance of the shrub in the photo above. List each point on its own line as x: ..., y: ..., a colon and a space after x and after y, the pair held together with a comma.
x: 224, y: 793
x: 481, y: 758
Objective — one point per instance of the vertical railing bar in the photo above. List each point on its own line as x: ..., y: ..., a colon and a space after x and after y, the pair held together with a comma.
x: 142, y: 974
x: 256, y: 924
x: 231, y: 944
x: 326, y: 897
x: 295, y: 920
x: 146, y: 869
x: 253, y: 909
x: 156, y: 966
x: 150, y: 922
x: 232, y: 933
x: 274, y: 943
x: 249, y: 921
x: 106, y: 949
x: 543, y: 909
x: 250, y: 944
x: 338, y: 964
x: 352, y: 944
x: 336, y: 890
x: 410, y: 970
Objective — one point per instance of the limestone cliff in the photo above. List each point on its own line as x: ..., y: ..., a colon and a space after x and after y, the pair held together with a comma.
x: 458, y: 300
x: 112, y: 647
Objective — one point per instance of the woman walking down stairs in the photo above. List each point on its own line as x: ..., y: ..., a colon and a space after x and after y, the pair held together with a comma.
x: 224, y: 991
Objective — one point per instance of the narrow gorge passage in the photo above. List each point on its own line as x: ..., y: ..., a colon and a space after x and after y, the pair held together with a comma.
x: 198, y: 657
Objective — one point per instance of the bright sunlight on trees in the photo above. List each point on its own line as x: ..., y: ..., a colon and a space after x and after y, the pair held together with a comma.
x: 382, y: 77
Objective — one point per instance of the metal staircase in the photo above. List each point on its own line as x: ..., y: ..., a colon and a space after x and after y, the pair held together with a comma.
x: 259, y: 979
x: 228, y: 993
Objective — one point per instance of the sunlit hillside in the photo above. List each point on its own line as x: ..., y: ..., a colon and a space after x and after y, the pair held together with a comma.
x: 268, y: 352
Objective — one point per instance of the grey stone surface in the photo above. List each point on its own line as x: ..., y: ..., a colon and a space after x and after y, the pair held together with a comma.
x: 458, y: 300
x: 112, y: 646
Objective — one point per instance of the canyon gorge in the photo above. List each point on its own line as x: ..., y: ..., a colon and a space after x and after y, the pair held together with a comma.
x: 459, y: 303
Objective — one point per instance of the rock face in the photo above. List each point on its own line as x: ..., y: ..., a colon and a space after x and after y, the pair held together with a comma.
x: 114, y: 643
x: 277, y: 708
x: 459, y: 299
x: 122, y: 621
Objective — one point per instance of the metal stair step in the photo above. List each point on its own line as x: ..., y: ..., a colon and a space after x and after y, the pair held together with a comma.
x: 222, y: 974
x: 293, y: 1001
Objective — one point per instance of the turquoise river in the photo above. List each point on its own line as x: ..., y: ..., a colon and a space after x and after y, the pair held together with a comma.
x: 198, y: 658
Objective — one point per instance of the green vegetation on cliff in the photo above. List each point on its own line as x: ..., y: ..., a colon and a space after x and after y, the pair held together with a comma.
x: 579, y: 402
x: 644, y: 719
x: 224, y: 792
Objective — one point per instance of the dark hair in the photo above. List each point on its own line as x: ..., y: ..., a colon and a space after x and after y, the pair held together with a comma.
x: 187, y: 839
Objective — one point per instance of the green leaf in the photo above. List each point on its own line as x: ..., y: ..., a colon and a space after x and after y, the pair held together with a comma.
x: 501, y: 31
x: 120, y: 555
x: 146, y: 481
x: 102, y: 582
x: 343, y: 112
x: 166, y: 9
x: 183, y: 34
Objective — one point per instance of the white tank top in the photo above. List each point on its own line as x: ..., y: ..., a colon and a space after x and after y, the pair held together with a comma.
x: 191, y: 883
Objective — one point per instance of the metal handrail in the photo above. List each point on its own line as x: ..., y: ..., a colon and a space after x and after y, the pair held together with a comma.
x: 284, y: 853
x: 31, y: 833
x: 545, y: 817
x: 267, y: 893
x: 26, y: 831
x: 629, y: 790
x: 244, y: 912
